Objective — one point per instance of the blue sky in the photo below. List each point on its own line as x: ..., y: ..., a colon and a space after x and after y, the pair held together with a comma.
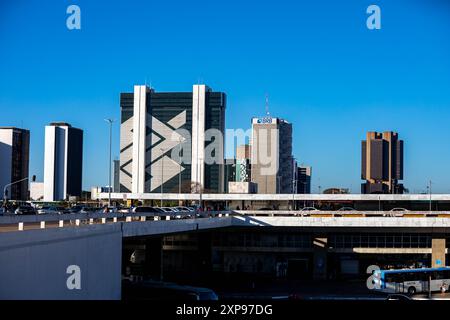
x: 323, y: 70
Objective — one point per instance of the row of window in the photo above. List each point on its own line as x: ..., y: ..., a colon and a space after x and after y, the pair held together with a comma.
x: 335, y: 241
x: 380, y: 241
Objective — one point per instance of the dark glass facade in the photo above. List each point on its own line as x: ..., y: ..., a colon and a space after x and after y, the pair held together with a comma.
x: 20, y: 164
x: 74, y: 162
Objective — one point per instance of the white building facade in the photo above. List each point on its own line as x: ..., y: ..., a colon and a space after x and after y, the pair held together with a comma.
x: 62, y: 162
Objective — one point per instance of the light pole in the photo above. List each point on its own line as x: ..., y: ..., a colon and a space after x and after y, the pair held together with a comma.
x: 200, y: 175
x: 162, y: 176
x: 293, y: 183
x: 110, y: 121
x: 430, y: 195
x: 5, y: 200
x: 303, y: 191
x: 179, y: 172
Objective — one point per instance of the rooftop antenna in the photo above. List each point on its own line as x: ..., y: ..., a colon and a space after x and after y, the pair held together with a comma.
x: 267, y: 105
x: 150, y: 84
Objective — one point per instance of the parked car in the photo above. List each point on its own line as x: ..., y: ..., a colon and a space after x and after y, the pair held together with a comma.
x: 146, y: 210
x: 25, y: 210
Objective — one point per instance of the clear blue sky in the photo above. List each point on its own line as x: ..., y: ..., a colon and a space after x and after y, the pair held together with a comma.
x: 323, y: 69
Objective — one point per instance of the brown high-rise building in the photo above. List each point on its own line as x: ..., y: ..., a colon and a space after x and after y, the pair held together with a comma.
x: 382, y: 163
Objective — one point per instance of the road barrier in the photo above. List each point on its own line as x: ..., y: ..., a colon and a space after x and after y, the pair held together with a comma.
x: 48, y: 220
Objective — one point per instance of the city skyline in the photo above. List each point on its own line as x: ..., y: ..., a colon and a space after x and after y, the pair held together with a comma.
x: 328, y: 90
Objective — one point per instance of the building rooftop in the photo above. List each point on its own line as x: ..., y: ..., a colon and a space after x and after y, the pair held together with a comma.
x: 60, y: 124
x: 13, y: 128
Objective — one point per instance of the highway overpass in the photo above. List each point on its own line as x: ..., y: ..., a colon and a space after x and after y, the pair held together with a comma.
x: 42, y: 256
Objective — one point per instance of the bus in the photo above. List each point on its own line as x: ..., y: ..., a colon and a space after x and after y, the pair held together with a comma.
x: 413, y: 281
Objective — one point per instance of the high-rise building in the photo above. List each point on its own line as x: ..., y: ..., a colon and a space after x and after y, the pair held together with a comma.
x: 229, y: 173
x: 63, y: 162
x: 382, y: 163
x: 116, y: 169
x: 14, y: 161
x: 304, y: 179
x: 271, y: 155
x: 243, y: 167
x: 243, y: 151
x: 167, y: 135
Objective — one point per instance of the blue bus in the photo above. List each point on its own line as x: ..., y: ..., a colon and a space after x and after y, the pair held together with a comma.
x: 412, y: 281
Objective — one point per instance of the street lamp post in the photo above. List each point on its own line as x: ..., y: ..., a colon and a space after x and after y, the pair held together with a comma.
x: 110, y: 121
x: 303, y: 191
x: 162, y: 176
x: 200, y: 174
x: 5, y: 200
x: 430, y: 195
x: 293, y: 183
x: 179, y: 174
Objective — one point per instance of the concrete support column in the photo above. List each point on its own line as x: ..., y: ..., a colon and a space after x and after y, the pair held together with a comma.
x: 154, y: 258
x: 320, y: 246
x: 438, y: 252
x: 204, y: 270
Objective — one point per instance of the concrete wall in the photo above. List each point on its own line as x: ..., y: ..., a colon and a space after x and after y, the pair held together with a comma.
x: 33, y: 264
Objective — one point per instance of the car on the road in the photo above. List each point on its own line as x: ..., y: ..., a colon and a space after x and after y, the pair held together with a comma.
x: 123, y: 210
x: 165, y: 291
x: 83, y: 209
x: 25, y: 210
x: 185, y: 209
x: 398, y: 297
x: 52, y: 210
x: 396, y: 212
x: 90, y: 210
x: 173, y: 211
x: 304, y: 212
x: 167, y: 209
x: 153, y: 210
x: 347, y: 209
x: 75, y: 209
x: 138, y: 256
x: 309, y: 209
